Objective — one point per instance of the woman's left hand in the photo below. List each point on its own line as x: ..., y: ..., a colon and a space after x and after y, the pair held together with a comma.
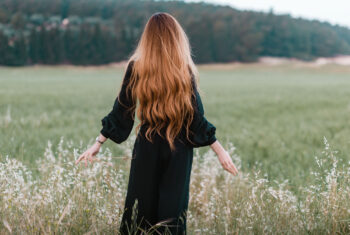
x: 226, y: 162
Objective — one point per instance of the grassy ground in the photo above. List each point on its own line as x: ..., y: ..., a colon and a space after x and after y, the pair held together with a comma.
x: 276, y: 116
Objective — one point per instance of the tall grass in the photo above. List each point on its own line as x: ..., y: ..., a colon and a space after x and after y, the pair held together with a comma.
x: 64, y: 198
x: 274, y: 115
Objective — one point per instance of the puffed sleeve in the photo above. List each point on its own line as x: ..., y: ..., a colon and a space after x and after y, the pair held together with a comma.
x: 118, y: 124
x: 202, y: 131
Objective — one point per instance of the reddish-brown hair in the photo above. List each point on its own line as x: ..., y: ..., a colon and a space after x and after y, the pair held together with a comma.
x: 161, y: 78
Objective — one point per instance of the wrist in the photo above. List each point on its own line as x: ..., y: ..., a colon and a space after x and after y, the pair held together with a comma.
x: 218, y: 149
x: 99, y: 141
x: 98, y: 144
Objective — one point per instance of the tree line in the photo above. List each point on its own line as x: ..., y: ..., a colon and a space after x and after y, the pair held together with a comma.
x: 87, y: 32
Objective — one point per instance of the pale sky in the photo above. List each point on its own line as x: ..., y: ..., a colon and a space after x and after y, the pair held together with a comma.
x: 333, y: 11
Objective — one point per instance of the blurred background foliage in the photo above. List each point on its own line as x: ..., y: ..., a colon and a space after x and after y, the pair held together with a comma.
x: 87, y: 32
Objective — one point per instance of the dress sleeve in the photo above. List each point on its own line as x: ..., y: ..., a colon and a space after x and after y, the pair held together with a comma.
x: 118, y: 124
x: 202, y: 131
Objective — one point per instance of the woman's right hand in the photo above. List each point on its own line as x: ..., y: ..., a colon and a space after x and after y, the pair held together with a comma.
x: 89, y: 155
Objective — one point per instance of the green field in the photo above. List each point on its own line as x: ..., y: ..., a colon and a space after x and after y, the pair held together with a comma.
x: 275, y: 116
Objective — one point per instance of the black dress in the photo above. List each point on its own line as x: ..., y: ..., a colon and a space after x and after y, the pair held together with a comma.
x: 159, y: 179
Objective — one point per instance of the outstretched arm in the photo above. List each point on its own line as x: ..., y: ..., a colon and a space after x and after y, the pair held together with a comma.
x: 204, y: 134
x: 117, y: 124
x: 224, y: 157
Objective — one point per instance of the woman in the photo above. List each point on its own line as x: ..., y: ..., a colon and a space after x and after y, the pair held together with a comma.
x: 162, y: 77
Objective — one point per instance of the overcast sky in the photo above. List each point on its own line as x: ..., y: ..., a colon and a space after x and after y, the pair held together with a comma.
x: 333, y: 11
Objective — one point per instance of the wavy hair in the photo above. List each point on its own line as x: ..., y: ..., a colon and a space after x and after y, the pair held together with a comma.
x: 161, y: 78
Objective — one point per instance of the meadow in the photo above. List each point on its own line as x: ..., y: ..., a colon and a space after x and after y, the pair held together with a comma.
x: 286, y: 126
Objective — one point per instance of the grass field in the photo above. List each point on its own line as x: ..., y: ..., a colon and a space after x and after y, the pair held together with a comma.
x: 275, y: 116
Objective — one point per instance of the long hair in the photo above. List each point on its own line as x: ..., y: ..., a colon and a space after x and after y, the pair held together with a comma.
x: 161, y: 79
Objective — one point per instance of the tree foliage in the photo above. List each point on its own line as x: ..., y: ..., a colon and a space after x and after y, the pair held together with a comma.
x: 102, y: 31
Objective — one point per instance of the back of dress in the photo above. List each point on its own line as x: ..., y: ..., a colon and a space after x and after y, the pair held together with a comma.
x: 118, y: 124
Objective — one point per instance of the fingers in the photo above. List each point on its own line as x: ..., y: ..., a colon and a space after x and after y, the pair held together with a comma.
x: 227, y: 163
x: 91, y: 158
x: 231, y: 170
x: 226, y: 167
x: 230, y: 167
x: 86, y: 156
x: 235, y: 169
x: 81, y: 157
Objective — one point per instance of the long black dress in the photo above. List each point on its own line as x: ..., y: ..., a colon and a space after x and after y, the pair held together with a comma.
x: 159, y: 179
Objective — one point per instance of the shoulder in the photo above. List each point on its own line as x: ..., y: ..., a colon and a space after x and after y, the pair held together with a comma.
x: 131, y: 62
x: 130, y: 65
x: 129, y: 69
x: 194, y: 84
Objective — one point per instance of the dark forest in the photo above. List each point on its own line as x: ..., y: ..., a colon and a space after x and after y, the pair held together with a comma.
x: 85, y: 32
